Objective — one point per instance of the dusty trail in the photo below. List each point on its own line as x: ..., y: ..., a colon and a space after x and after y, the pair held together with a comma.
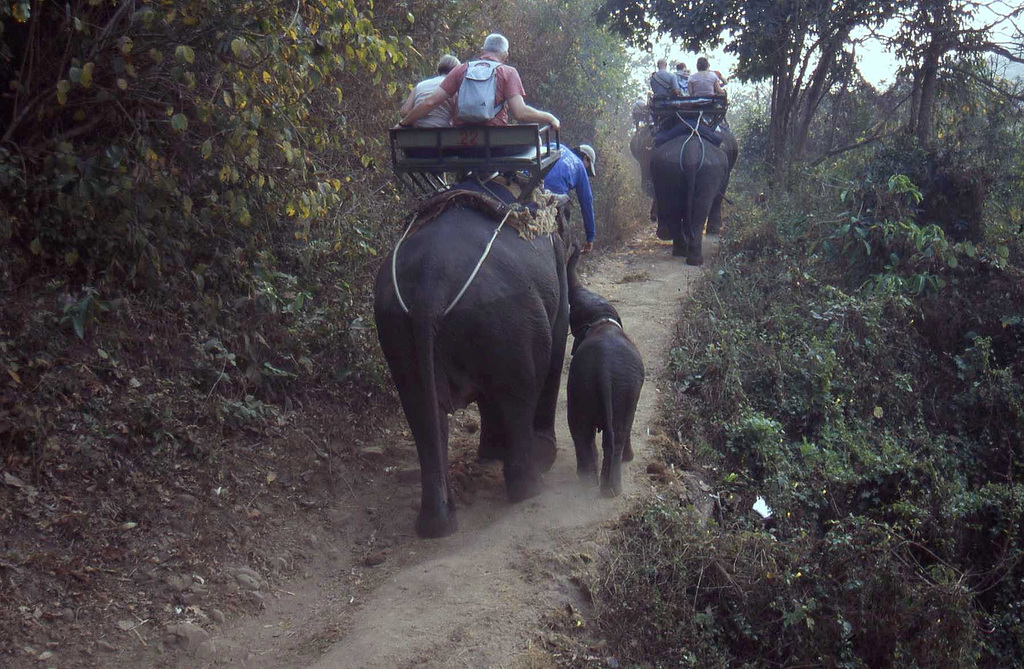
x: 473, y: 599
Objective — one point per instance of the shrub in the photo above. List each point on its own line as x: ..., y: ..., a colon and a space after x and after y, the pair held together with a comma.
x: 863, y: 375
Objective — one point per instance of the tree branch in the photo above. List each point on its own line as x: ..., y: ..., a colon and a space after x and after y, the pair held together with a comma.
x: 882, y: 125
x: 984, y: 81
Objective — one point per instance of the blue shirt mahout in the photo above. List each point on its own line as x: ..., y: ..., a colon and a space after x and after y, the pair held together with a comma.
x: 570, y: 173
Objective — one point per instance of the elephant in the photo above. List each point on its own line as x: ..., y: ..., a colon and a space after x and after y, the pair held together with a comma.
x: 501, y: 345
x: 605, y: 378
x: 641, y: 145
x: 690, y: 177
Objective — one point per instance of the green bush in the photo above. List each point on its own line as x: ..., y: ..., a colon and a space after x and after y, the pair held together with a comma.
x: 862, y: 374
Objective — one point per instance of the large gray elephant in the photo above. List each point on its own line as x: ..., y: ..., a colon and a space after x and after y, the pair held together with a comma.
x: 690, y: 178
x: 502, y: 346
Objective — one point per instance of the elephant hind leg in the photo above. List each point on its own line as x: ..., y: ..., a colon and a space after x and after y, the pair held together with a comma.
x: 492, y: 439
x: 715, y: 217
x: 437, y: 501
x: 581, y: 427
x: 522, y: 475
x: 428, y: 422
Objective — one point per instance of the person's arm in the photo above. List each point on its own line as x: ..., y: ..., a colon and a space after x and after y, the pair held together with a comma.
x: 524, y: 113
x: 718, y: 88
x: 408, y: 104
x: 586, y: 198
x: 424, y: 107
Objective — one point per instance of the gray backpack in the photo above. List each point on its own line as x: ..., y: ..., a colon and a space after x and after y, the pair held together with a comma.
x: 477, y: 92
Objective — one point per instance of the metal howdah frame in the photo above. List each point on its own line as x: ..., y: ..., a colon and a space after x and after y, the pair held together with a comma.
x: 422, y: 157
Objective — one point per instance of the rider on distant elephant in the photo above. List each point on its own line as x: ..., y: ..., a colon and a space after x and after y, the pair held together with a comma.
x: 664, y: 83
x: 703, y: 82
x: 683, y: 77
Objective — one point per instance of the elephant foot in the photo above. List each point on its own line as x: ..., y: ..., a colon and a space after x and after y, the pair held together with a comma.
x: 664, y: 232
x: 714, y: 230
x: 609, y: 490
x: 627, y: 453
x: 522, y: 487
x: 587, y: 474
x: 545, y: 450
x: 432, y: 525
x: 695, y: 255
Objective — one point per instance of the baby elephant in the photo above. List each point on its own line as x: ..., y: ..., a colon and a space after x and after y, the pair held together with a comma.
x: 605, y: 378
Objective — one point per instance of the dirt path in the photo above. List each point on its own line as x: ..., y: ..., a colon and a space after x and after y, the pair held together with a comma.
x: 474, y: 599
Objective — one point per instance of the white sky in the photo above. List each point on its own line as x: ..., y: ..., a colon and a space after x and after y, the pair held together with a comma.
x: 878, y: 66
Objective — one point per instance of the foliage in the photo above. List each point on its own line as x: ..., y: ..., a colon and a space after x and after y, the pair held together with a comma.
x: 227, y: 141
x: 693, y: 595
x: 862, y: 373
x: 580, y: 73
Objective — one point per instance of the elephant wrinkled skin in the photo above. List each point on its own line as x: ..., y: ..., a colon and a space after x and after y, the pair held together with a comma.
x: 502, y: 346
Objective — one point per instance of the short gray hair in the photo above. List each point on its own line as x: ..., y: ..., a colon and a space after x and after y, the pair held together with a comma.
x: 447, y: 63
x: 495, y: 43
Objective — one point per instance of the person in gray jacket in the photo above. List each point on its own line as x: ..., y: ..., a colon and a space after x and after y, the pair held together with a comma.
x: 664, y: 83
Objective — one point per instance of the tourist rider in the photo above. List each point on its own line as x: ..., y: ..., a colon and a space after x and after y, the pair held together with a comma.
x: 703, y: 82
x: 509, y: 92
x: 442, y: 115
x: 663, y: 83
x: 682, y: 77
x: 572, y: 172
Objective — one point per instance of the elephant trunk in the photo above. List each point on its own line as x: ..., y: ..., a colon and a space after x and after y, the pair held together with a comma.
x: 573, y: 280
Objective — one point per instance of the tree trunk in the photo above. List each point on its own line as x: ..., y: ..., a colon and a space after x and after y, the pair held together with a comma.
x: 929, y: 81
x: 915, y: 102
x: 815, y: 92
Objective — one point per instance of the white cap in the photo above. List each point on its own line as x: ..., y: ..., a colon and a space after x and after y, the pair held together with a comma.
x: 588, y: 151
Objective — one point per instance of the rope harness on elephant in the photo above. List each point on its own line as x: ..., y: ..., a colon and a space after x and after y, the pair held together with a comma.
x: 529, y: 224
x: 605, y: 319
x: 693, y: 131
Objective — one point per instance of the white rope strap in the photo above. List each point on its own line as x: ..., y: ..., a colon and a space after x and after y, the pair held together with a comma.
x: 487, y: 251
x: 606, y: 319
x: 394, y: 267
x: 693, y: 131
x: 480, y: 262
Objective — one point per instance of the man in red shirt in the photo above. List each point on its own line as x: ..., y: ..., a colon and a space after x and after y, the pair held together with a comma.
x: 509, y: 91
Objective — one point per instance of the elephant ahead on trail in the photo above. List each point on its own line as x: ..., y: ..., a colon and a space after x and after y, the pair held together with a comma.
x: 502, y: 346
x: 690, y: 177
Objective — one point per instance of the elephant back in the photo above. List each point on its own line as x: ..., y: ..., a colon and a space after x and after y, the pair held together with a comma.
x: 538, y: 217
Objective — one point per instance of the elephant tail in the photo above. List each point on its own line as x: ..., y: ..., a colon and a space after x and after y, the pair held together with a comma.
x: 694, y: 228
x: 424, y: 337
